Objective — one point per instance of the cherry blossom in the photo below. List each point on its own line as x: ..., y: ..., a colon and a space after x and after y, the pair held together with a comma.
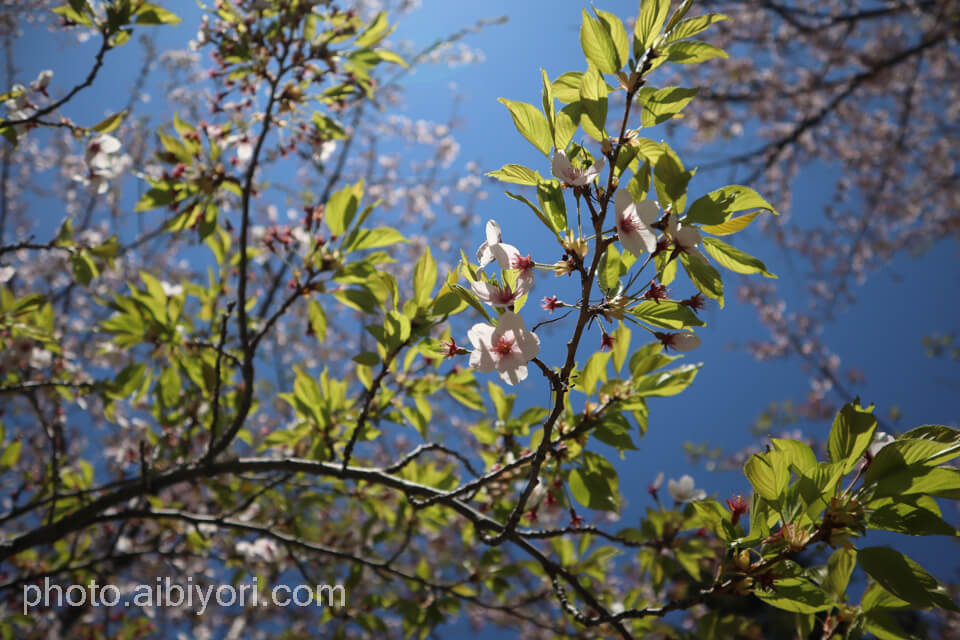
x: 686, y: 238
x: 633, y: 223
x: 683, y: 490
x: 103, y: 161
x: 682, y: 342
x: 500, y: 297
x: 260, y: 549
x: 571, y: 176
x: 493, y: 249
x: 506, y: 348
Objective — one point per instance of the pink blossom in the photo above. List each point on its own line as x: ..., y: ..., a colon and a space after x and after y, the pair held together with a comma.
x: 506, y: 348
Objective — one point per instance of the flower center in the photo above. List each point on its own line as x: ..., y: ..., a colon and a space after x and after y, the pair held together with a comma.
x: 628, y: 224
x: 503, y: 346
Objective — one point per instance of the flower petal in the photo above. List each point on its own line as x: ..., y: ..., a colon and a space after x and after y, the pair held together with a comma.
x: 481, y: 334
x: 511, y: 374
x: 493, y: 232
x: 561, y: 166
x: 648, y: 211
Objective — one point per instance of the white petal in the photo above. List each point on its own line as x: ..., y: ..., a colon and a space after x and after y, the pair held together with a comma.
x: 480, y: 334
x: 621, y: 201
x: 529, y: 344
x: 684, y: 342
x: 636, y: 242
x: 561, y: 166
x: 482, y: 360
x: 504, y: 253
x: 510, y: 321
x: 687, y: 237
x: 108, y: 144
x: 524, y: 283
x: 485, y: 255
x: 594, y: 170
x: 493, y: 232
x: 6, y: 273
x: 511, y: 375
x: 484, y: 291
x: 648, y: 211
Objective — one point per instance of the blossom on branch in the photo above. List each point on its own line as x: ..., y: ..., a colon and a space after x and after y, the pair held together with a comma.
x: 506, y: 348
x: 685, y: 238
x: 493, y: 249
x: 633, y: 223
x: 563, y: 169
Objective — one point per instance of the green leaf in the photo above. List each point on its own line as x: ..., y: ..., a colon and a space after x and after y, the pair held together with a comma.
x: 910, y: 520
x: 796, y: 595
x: 717, y: 206
x: 653, y: 13
x: 566, y: 88
x: 609, y: 271
x: 735, y: 259
x: 424, y: 278
x: 852, y: 432
x: 907, y: 450
x: 839, y: 569
x: 373, y: 238
x: 502, y: 403
x: 341, y: 208
x: 594, y: 371
x: 377, y: 30
x: 318, y: 320
x: 660, y: 105
x: 731, y: 226
x: 367, y: 358
x: 704, y: 277
x: 567, y: 123
x: 769, y: 474
x: 593, y: 104
x: 693, y: 52
x: 667, y: 383
x: 547, y: 101
x: 84, y: 268
x: 10, y: 455
x: 671, y: 180
x: 109, y: 124
x: 615, y: 431
x: 621, y: 346
x: 550, y: 195
x: 594, y: 483
x: 876, y: 597
x: 799, y: 454
x: 618, y: 34
x: 152, y: 15
x: 598, y: 45
x: 666, y: 314
x: 904, y: 578
x: 939, y: 482
x: 531, y: 124
x: 517, y: 174
x: 693, y: 26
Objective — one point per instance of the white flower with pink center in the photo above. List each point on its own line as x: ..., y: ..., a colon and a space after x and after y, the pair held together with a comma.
x: 506, y: 348
x: 633, y: 223
x: 493, y: 249
x: 563, y: 169
x: 686, y: 238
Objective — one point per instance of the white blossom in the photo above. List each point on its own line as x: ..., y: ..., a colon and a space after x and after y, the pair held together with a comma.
x: 633, y: 223
x: 682, y: 490
x: 506, y: 348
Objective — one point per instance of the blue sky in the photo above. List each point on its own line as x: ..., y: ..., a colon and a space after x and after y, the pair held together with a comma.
x: 881, y: 334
